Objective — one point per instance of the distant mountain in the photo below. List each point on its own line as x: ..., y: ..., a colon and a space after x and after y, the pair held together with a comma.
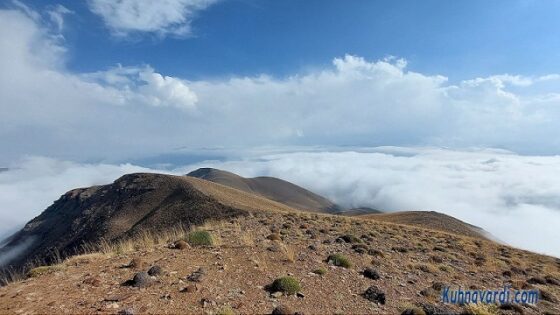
x: 4, y: 169
x: 271, y: 188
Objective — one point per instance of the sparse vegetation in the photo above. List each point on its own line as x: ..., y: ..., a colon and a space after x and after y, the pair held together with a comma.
x: 200, y: 238
x: 339, y: 260
x: 41, y: 270
x: 287, y: 285
x: 226, y: 310
x: 481, y: 309
x: 320, y: 271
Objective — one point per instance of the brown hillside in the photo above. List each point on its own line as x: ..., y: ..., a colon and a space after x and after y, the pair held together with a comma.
x: 431, y: 220
x: 271, y: 188
x: 407, y: 264
x: 135, y: 203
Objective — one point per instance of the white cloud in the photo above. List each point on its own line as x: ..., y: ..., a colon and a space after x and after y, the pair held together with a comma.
x: 134, y: 111
x: 513, y: 197
x: 164, y: 17
x: 142, y: 85
x: 56, y: 14
x: 34, y: 183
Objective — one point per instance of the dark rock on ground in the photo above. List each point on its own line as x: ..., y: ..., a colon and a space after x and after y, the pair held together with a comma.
x: 371, y: 274
x: 375, y: 295
x: 282, y: 310
x: 155, y: 271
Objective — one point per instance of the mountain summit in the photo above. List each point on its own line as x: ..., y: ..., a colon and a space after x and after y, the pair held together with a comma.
x: 271, y: 188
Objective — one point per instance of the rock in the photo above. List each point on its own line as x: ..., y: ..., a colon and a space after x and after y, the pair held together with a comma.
x: 190, y: 288
x: 126, y: 311
x: 181, y: 245
x: 141, y: 280
x: 197, y: 276
x: 207, y: 303
x: 360, y: 248
x: 429, y: 292
x: 276, y: 294
x: 431, y: 309
x: 155, y: 271
x: 371, y: 273
x: 438, y: 286
x: 282, y: 310
x: 300, y: 295
x: 374, y: 294
x: 413, y: 311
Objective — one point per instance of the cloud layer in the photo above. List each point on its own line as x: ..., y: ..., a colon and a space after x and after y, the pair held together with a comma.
x: 513, y: 197
x: 164, y: 17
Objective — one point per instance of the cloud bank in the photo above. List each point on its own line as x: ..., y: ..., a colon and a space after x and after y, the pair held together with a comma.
x: 164, y: 17
x: 513, y: 197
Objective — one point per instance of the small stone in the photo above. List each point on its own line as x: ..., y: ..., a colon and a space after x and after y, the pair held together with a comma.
x: 371, y: 274
x: 155, y: 271
x: 300, y: 295
x: 141, y: 280
x: 276, y: 294
x: 126, y: 311
x: 282, y: 310
x: 190, y: 288
x: 197, y: 276
x: 181, y: 245
x: 374, y: 294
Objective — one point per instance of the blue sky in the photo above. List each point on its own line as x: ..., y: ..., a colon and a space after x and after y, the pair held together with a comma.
x: 451, y: 106
x: 130, y: 80
x: 461, y: 39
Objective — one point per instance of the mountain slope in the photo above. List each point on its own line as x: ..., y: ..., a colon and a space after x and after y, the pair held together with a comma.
x: 269, y: 187
x: 407, y: 264
x: 134, y: 203
x: 431, y: 220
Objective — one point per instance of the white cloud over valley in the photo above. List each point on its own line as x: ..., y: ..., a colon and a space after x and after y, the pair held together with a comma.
x: 513, y: 197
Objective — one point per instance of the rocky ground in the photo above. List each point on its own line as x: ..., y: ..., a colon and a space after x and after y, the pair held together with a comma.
x: 402, y: 269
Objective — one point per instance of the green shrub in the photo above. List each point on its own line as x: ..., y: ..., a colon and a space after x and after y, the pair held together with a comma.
x: 226, y: 310
x: 198, y: 238
x: 339, y: 260
x: 35, y: 272
x: 288, y: 285
x: 320, y: 271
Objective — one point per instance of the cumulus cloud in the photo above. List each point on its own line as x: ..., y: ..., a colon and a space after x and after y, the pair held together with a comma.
x: 142, y: 85
x: 166, y: 17
x: 132, y: 110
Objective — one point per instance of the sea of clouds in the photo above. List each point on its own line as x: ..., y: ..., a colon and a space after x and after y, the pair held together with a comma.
x: 512, y: 196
